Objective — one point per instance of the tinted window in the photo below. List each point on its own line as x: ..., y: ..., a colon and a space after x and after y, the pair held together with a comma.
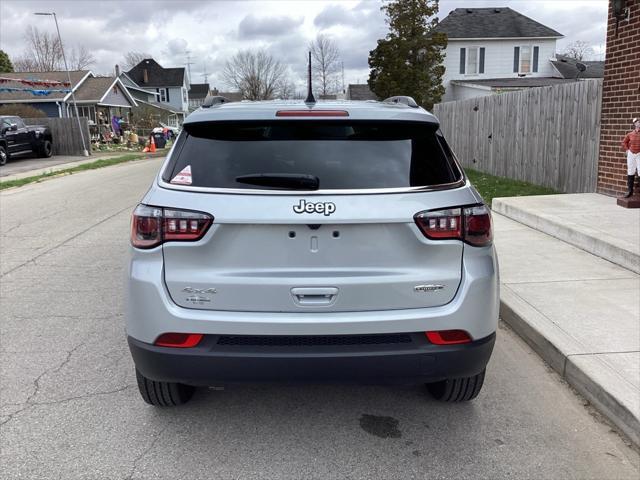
x: 18, y: 121
x: 341, y: 154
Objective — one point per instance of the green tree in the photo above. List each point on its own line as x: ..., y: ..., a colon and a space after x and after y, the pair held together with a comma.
x: 408, y: 61
x: 5, y: 62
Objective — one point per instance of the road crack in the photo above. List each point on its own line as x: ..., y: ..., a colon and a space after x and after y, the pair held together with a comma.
x: 64, y: 242
x: 136, y: 460
x: 28, y: 403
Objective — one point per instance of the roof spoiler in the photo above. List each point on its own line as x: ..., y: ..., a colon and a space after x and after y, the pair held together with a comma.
x: 403, y: 99
x: 212, y: 100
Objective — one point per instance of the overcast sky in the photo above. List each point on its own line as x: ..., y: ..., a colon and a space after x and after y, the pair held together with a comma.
x: 212, y: 31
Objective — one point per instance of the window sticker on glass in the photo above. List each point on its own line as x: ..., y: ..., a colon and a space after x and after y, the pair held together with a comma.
x: 184, y: 177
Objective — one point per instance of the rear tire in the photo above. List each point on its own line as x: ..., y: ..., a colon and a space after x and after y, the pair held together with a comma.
x: 46, y: 149
x: 457, y: 389
x: 4, y: 156
x: 163, y: 394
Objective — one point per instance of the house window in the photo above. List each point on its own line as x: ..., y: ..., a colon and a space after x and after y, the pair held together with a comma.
x: 163, y: 95
x: 472, y: 60
x: 525, y: 59
x: 184, y: 95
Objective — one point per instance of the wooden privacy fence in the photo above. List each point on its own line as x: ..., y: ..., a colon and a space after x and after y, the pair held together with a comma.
x: 65, y: 134
x: 548, y: 136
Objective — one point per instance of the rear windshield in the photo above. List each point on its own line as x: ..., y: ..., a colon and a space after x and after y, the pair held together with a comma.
x: 339, y: 154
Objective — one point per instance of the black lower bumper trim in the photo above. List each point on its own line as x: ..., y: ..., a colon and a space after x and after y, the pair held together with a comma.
x: 213, y: 364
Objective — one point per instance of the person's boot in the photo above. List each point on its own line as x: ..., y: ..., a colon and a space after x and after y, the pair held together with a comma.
x: 630, y: 179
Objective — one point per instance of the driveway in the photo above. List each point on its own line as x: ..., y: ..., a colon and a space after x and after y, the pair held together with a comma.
x: 69, y: 407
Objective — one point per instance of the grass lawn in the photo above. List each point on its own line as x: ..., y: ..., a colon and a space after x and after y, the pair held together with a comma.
x: 105, y: 162
x: 490, y: 186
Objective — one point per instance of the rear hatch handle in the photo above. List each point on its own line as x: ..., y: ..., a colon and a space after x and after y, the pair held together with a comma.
x: 314, y: 296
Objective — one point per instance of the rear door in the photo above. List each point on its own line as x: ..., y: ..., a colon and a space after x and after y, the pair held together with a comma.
x: 347, y: 244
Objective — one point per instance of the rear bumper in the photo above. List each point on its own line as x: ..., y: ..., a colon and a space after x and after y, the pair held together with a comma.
x: 210, y: 363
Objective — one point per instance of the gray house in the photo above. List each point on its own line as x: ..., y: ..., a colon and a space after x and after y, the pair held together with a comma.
x: 197, y: 93
x: 54, y: 103
x: 150, y: 98
x: 171, y: 84
x: 95, y: 96
x: 359, y: 91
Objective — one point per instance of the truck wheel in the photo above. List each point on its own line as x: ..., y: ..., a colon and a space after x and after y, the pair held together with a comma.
x: 3, y: 156
x: 46, y: 149
x: 457, y: 389
x: 163, y: 394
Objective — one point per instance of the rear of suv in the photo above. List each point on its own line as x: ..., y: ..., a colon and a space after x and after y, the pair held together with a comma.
x: 286, y: 241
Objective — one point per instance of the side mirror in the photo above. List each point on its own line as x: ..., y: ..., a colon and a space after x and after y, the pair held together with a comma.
x: 13, y: 127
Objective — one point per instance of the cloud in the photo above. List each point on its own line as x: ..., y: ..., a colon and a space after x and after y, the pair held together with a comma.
x: 176, y: 47
x: 215, y: 30
x: 334, y: 15
x: 363, y: 15
x: 257, y: 27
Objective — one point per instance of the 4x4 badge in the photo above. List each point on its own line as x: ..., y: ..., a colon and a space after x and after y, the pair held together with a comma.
x: 327, y: 208
x: 428, y: 288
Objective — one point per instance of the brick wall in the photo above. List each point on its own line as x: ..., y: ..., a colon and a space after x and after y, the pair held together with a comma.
x: 620, y: 98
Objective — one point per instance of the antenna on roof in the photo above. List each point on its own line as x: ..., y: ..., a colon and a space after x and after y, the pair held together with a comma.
x: 310, y: 97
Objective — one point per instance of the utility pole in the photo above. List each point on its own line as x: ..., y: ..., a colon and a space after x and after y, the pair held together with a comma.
x: 73, y: 97
x: 189, y: 63
x: 205, y: 74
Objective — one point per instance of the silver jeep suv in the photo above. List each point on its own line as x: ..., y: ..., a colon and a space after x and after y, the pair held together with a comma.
x: 329, y: 241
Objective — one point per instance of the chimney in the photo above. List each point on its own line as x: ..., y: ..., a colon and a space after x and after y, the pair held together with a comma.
x: 145, y: 76
x: 117, y: 70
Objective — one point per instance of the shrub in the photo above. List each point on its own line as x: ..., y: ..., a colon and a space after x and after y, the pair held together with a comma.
x: 21, y: 110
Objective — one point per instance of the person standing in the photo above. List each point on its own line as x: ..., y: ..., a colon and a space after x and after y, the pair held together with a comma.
x: 631, y: 144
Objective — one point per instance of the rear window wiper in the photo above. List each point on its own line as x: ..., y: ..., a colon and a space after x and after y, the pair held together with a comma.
x: 294, y: 181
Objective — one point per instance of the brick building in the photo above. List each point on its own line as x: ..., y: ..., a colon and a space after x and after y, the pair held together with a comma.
x: 620, y: 96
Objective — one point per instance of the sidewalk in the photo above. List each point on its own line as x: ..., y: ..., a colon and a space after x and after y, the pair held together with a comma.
x: 67, y: 162
x: 580, y: 312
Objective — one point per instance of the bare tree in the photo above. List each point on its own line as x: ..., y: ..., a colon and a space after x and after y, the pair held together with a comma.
x: 131, y: 59
x: 23, y: 63
x: 578, y: 50
x: 43, y: 52
x: 286, y: 89
x: 257, y: 75
x: 326, y: 61
x: 81, y: 58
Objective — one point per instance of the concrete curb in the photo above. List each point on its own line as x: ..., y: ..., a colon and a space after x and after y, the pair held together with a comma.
x: 590, y: 376
x: 570, y: 233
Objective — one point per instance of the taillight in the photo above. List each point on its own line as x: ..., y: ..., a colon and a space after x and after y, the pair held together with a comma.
x: 151, y: 226
x: 178, y: 340
x: 448, y: 337
x: 470, y: 224
x: 477, y: 226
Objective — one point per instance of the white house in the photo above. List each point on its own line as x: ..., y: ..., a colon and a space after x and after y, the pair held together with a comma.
x: 491, y: 50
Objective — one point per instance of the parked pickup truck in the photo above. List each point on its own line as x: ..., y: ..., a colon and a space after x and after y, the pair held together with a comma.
x: 17, y: 138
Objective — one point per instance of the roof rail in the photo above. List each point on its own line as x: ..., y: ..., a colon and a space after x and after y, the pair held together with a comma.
x: 211, y: 100
x: 408, y: 101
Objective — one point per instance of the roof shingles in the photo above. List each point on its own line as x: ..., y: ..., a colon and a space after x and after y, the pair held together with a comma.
x: 156, y: 75
x: 497, y: 22
x: 8, y: 97
x: 93, y: 89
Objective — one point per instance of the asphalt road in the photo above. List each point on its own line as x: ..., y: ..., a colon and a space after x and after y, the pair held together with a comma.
x: 70, y: 408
